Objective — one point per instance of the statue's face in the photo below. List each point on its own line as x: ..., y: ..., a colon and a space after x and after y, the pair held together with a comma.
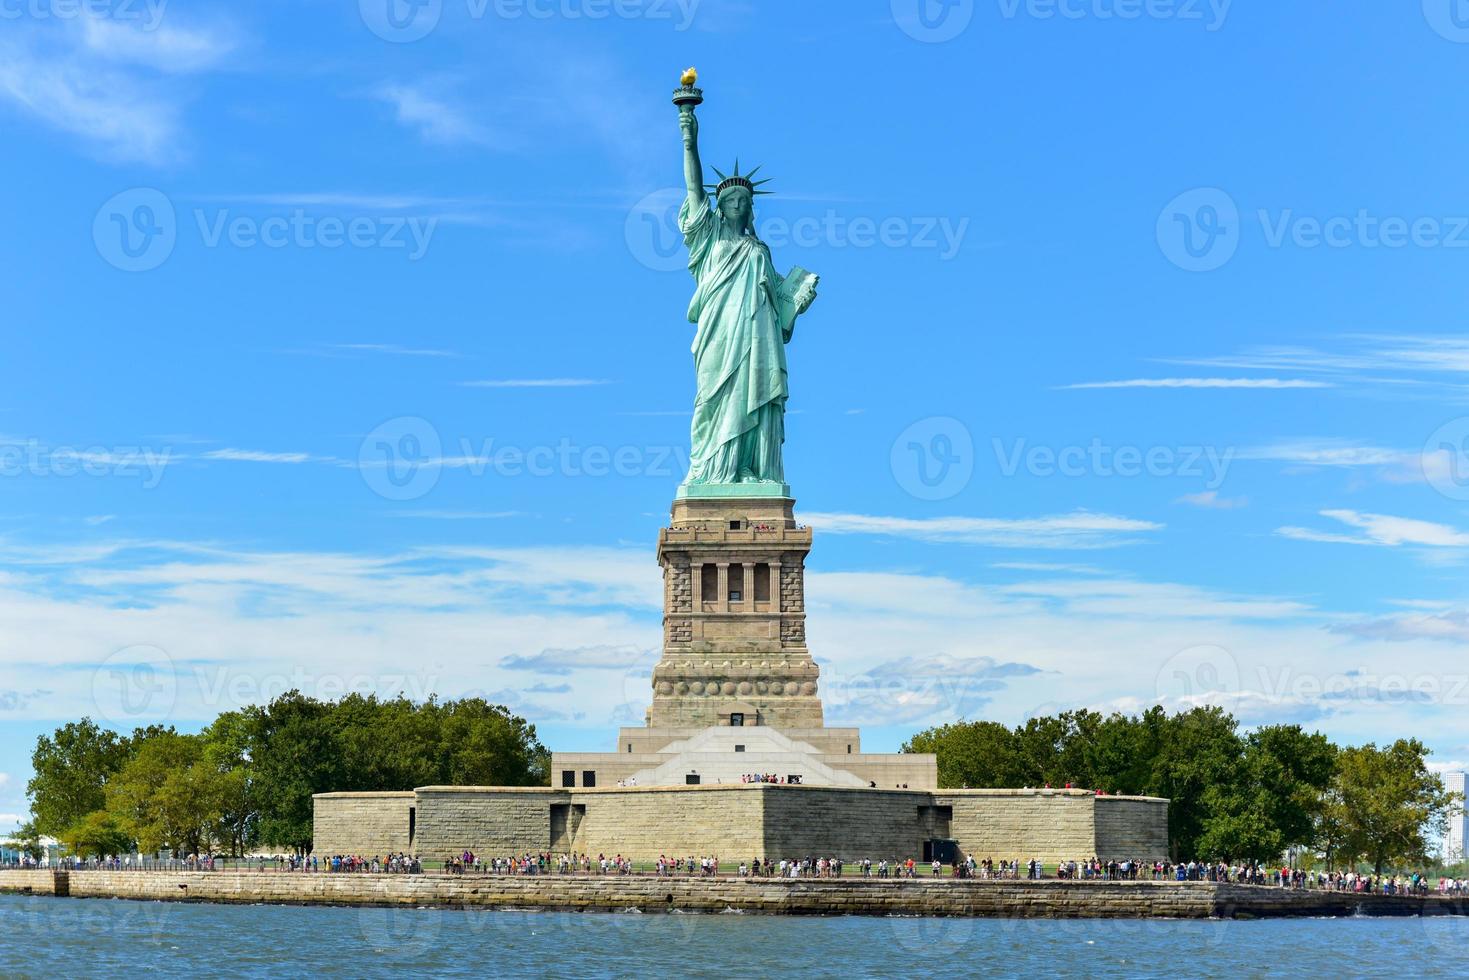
x: 736, y: 207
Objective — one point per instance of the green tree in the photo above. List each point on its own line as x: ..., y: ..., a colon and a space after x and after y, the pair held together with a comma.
x: 97, y: 834
x: 71, y: 770
x: 1390, y: 803
x: 973, y: 753
x: 1275, y: 799
x: 167, y: 796
x: 1199, y: 755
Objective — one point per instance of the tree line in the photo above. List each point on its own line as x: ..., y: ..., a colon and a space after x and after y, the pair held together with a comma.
x: 1235, y: 795
x: 247, y: 779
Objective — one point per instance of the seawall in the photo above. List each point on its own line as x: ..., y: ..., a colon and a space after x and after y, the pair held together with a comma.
x: 647, y: 893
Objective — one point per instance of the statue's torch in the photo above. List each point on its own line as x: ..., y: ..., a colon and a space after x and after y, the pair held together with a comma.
x: 686, y: 96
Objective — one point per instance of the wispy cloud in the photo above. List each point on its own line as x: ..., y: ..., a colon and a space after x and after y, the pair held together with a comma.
x: 458, y: 515
x: 564, y: 661
x: 434, y: 117
x: 536, y: 383
x: 397, y: 349
x: 1080, y: 529
x: 108, y: 81
x: 260, y: 456
x: 1326, y: 452
x: 1211, y: 500
x: 1449, y: 626
x: 1381, y: 530
x: 1201, y: 383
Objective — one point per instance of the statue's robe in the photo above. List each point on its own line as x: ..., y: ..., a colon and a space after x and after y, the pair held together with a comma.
x: 744, y: 324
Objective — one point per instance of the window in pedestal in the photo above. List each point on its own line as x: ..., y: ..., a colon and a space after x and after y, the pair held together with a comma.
x: 762, y: 582
x: 709, y: 583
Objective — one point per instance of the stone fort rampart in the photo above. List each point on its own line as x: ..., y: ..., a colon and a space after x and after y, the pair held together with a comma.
x: 739, y: 822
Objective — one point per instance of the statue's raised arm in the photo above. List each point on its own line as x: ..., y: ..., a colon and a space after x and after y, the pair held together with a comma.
x: 693, y: 170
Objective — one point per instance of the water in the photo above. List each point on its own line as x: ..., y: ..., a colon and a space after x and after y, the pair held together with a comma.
x: 48, y: 937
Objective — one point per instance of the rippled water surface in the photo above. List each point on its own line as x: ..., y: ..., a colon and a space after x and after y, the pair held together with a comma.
x: 48, y: 937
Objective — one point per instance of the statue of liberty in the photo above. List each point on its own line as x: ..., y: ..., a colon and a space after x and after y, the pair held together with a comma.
x: 745, y: 312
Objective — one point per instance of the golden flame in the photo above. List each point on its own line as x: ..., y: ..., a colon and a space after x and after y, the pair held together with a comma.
x: 689, y: 76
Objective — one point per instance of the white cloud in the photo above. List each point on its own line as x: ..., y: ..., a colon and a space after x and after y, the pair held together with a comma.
x: 1382, y: 530
x: 106, y: 81
x: 165, y: 47
x: 259, y: 456
x: 242, y: 626
x: 1210, y: 499
x: 397, y: 349
x: 1449, y: 626
x: 1276, y: 383
x: 536, y: 383
x: 1374, y: 354
x: 1326, y: 453
x: 1080, y: 529
x: 434, y: 117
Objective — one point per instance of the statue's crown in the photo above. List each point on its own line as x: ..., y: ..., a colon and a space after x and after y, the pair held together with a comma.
x: 737, y: 180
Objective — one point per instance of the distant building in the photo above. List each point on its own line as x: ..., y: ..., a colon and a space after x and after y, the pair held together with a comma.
x: 1454, y: 837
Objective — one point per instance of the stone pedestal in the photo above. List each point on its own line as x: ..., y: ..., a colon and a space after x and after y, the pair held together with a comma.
x: 734, y: 617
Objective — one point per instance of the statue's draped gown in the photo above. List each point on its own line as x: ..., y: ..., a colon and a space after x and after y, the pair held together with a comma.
x: 739, y: 352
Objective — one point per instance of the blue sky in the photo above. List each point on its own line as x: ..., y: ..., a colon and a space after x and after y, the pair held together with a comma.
x: 348, y: 351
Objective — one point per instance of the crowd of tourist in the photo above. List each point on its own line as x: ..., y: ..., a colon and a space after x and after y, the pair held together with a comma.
x: 769, y: 777
x: 707, y: 866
